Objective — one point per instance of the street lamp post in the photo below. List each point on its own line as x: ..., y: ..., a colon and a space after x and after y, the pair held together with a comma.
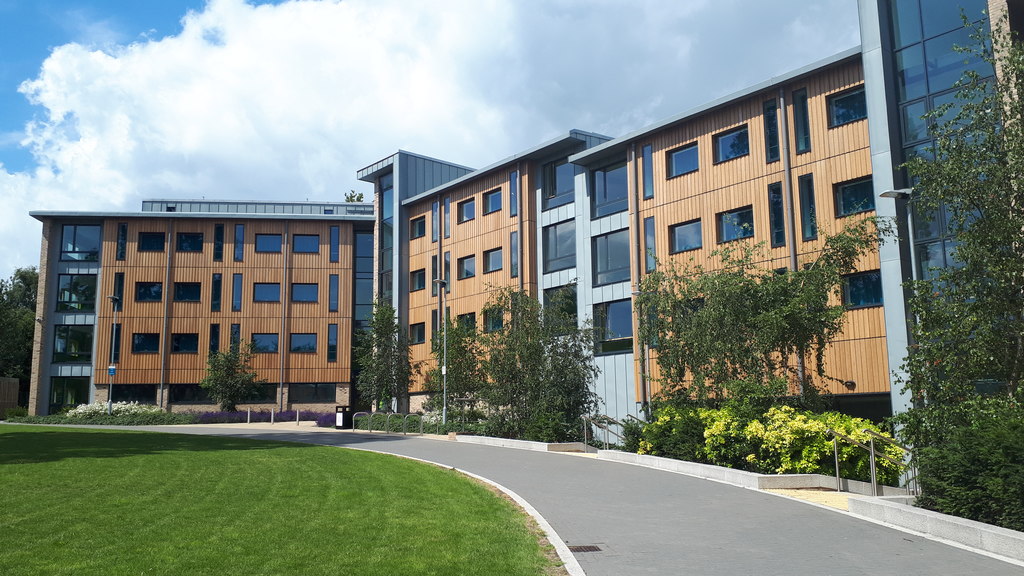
x: 443, y: 284
x: 115, y: 333
x: 906, y: 195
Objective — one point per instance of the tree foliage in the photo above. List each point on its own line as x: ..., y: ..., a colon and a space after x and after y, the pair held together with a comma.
x: 539, y: 368
x: 17, y: 319
x: 382, y: 352
x: 465, y: 374
x: 229, y: 378
x: 353, y: 196
x: 735, y: 330
x: 965, y: 366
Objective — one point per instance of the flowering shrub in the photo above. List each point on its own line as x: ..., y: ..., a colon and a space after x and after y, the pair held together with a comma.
x: 241, y: 416
x: 782, y: 441
x: 118, y: 409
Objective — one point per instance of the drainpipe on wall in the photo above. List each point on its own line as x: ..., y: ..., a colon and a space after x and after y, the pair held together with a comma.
x: 286, y: 302
x: 638, y: 268
x: 519, y: 223
x: 789, y: 206
x: 164, y: 344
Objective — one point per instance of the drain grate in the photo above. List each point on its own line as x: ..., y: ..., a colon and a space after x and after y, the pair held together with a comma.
x: 587, y: 548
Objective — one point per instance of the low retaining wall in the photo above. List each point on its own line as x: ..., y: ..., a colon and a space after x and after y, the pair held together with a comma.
x: 524, y: 444
x: 898, y: 511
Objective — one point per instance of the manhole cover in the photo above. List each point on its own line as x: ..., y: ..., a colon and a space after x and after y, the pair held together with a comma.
x: 588, y: 548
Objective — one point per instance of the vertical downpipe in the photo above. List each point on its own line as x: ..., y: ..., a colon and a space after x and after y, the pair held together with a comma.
x: 787, y: 199
x: 164, y: 344
x: 519, y: 223
x: 638, y: 266
x: 285, y: 303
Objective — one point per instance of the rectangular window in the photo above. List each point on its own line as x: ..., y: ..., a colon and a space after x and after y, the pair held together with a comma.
x: 513, y: 193
x: 808, y: 215
x: 305, y: 292
x: 433, y: 276
x: 151, y: 242
x: 447, y: 217
x: 239, y: 242
x: 801, y: 121
x: 417, y: 280
x: 560, y: 246
x: 188, y: 394
x: 236, y: 335
x: 268, y: 243
x: 332, y: 293
x: 560, y: 304
x: 559, y: 184
x: 776, y: 215
x: 313, y: 393
x: 862, y: 290
x: 218, y: 242
x: 467, y: 320
x: 302, y: 343
x: 513, y: 258
x: 332, y: 342
x: 72, y: 343
x: 236, y: 292
x: 119, y: 289
x: 122, y: 241
x: 216, y: 288
x: 447, y: 272
x: 683, y: 160
x: 335, y: 233
x: 187, y: 291
x: 417, y: 333
x: 466, y: 211
x: 492, y: 260
x: 467, y: 267
x: 650, y: 256
x: 214, y: 338
x: 80, y: 243
x: 115, y: 342
x: 611, y: 257
x: 306, y: 243
x: 265, y: 343
x: 847, y: 107
x: 609, y: 192
x: 149, y: 291
x: 418, y: 227
x: 494, y: 320
x: 771, y: 131
x: 492, y: 201
x: 189, y: 242
x: 76, y: 293
x: 648, y: 171
x: 435, y: 220
x: 184, y: 343
x: 736, y: 224
x: 613, y: 327
x: 854, y: 197
x: 145, y: 343
x: 266, y: 292
x: 686, y: 236
x: 732, y: 144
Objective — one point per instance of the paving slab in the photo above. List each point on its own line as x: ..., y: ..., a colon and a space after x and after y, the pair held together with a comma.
x: 646, y: 521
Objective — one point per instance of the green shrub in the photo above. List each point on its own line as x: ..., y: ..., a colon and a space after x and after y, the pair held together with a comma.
x: 136, y: 419
x: 15, y: 412
x: 975, y: 467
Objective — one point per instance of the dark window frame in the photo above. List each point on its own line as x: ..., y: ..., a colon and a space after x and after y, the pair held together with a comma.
x: 417, y: 227
x: 673, y: 247
x: 465, y: 211
x: 145, y: 240
x: 716, y: 143
x: 302, y: 349
x: 258, y: 287
x: 418, y: 280
x: 184, y: 242
x: 487, y: 260
x: 185, y: 343
x: 462, y: 270
x: 832, y: 99
x: 180, y: 287
x: 610, y: 269
x: 846, y: 290
x: 488, y: 201
x: 152, y: 287
x: 306, y: 249
x: 297, y: 288
x: 562, y: 260
x: 417, y: 333
x: 261, y: 248
x: 720, y: 223
x: 840, y: 205
x: 140, y: 338
x: 271, y: 346
x: 670, y: 159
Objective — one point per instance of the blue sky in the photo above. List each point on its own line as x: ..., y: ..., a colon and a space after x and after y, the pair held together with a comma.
x: 104, y: 103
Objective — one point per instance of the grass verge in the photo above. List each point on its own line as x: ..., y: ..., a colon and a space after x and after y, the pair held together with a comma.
x: 84, y: 501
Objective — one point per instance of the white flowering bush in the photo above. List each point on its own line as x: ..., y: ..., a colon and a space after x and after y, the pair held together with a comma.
x: 118, y: 409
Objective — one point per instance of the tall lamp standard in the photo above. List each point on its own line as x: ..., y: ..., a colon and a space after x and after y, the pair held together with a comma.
x: 906, y: 195
x: 115, y: 337
x: 443, y: 284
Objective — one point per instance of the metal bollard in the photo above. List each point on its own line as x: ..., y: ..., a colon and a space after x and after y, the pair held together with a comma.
x: 248, y: 415
x: 835, y: 448
x: 296, y: 417
x: 271, y: 415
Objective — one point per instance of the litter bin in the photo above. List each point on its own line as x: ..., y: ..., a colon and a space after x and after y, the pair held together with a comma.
x: 342, y: 417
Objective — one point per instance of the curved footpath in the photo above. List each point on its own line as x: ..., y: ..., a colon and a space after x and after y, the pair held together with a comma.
x: 646, y: 521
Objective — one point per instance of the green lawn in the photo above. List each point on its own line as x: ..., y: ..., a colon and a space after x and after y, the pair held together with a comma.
x: 83, y: 501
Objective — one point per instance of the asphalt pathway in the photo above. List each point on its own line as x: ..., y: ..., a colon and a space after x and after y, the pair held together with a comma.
x: 647, y: 521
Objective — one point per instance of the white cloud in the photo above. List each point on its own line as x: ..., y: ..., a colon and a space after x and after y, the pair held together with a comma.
x: 287, y: 101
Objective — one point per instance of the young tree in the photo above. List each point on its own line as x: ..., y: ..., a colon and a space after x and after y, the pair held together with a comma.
x: 466, y: 377
x: 353, y: 196
x: 733, y: 330
x: 382, y: 352
x: 229, y: 378
x: 539, y: 368
x: 17, y: 318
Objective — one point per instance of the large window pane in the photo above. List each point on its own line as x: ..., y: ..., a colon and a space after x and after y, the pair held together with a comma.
x: 149, y: 291
x: 648, y: 171
x: 264, y: 343
x: 467, y: 267
x: 801, y: 121
x: 771, y: 131
x: 266, y: 292
x: 776, y: 214
x: 72, y: 344
x: 492, y: 260
x: 80, y: 243
x: 945, y: 65
x: 910, y: 77
x: 560, y: 246
x: 736, y: 224
x: 303, y: 343
x: 862, y: 290
x: 268, y: 242
x: 76, y: 292
x: 187, y: 291
x: 609, y: 190
x: 151, y: 242
x: 686, y: 236
x: 492, y: 201
x: 855, y: 197
x: 683, y: 160
x: 559, y: 184
x: 305, y: 292
x: 732, y: 144
x: 306, y: 243
x: 650, y: 255
x: 184, y: 343
x: 145, y: 343
x: 611, y: 257
x: 613, y: 327
x: 313, y: 393
x: 808, y: 214
x: 189, y: 242
x: 847, y: 107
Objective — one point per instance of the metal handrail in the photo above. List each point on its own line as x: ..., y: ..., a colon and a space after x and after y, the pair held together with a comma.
x: 872, y: 456
x: 912, y: 486
x: 601, y: 421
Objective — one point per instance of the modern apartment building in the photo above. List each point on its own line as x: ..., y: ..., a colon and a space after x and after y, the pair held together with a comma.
x: 783, y: 162
x: 183, y: 278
